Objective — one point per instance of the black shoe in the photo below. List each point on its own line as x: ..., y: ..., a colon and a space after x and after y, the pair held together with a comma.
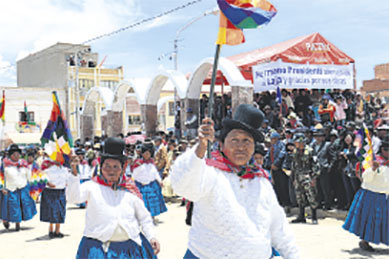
x: 299, y: 220
x: 364, y: 245
x: 17, y: 226
x: 58, y: 235
x: 51, y: 234
x: 6, y: 225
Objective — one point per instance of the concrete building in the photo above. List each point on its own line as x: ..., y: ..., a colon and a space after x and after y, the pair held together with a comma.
x: 39, y: 105
x: 72, y: 69
x: 380, y: 84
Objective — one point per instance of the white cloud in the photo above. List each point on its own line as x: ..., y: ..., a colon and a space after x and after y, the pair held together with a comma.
x: 29, y: 26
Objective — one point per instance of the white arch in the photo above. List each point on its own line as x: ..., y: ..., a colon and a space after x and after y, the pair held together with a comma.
x: 178, y: 80
x: 92, y: 97
x: 227, y: 67
x: 163, y: 100
x: 120, y: 94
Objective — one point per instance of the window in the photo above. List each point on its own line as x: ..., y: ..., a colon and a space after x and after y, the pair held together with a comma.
x: 134, y: 120
x: 86, y: 83
x: 108, y: 84
x: 29, y: 117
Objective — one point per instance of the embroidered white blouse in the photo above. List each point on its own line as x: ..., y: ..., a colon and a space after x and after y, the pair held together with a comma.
x: 16, y: 178
x: 109, y: 210
x: 146, y: 173
x: 232, y: 217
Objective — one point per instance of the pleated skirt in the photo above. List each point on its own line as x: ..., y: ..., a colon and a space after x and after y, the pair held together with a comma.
x: 90, y: 248
x: 17, y: 205
x: 152, y: 197
x: 53, y: 206
x: 368, y: 216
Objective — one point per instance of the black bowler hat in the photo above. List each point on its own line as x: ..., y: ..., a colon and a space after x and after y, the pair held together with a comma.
x: 113, y: 149
x: 148, y: 146
x: 259, y: 149
x: 247, y: 118
x: 13, y: 148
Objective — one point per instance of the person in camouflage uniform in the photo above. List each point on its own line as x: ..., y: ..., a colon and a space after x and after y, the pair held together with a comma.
x: 304, y: 175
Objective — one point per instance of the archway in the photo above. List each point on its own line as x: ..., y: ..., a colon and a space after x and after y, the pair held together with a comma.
x: 149, y: 108
x: 242, y: 90
x: 90, y: 116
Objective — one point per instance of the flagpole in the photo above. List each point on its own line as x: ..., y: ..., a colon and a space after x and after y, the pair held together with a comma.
x: 211, y: 91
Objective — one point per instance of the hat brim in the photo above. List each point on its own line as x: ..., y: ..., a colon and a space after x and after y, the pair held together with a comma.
x: 234, y: 124
x: 14, y: 151
x: 111, y: 156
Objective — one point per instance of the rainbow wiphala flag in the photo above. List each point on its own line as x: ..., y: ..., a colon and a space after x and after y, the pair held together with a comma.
x: 57, y: 139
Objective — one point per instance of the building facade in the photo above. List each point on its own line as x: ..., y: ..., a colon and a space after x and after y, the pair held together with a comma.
x: 72, y: 69
x: 380, y: 84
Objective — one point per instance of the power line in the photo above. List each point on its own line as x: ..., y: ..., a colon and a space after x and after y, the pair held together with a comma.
x: 136, y: 24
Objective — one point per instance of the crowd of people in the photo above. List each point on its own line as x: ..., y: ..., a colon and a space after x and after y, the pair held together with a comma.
x: 306, y: 148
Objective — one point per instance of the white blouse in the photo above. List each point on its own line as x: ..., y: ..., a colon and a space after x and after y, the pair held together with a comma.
x: 57, y: 175
x: 232, y: 217
x: 16, y: 178
x: 377, y: 181
x: 146, y: 173
x: 109, y: 210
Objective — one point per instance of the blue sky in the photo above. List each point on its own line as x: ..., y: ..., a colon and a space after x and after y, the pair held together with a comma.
x: 359, y: 28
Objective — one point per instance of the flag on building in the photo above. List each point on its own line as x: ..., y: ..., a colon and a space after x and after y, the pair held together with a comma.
x: 26, y: 112
x: 236, y: 15
x: 57, y: 138
x: 2, y: 107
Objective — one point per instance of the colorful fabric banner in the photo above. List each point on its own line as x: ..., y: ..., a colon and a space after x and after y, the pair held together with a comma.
x: 236, y: 15
x: 2, y: 107
x: 57, y: 139
x: 38, y: 181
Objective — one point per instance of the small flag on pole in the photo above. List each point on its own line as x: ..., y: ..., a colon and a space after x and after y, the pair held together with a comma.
x: 26, y: 112
x: 57, y: 138
x: 236, y: 15
x: 2, y: 107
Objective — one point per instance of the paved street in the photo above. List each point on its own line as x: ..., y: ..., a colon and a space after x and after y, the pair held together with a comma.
x: 326, y: 240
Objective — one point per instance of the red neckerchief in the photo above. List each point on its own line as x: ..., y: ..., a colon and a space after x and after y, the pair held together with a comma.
x: 47, y: 164
x: 21, y: 163
x: 139, y: 162
x: 382, y: 160
x: 250, y: 171
x: 125, y: 184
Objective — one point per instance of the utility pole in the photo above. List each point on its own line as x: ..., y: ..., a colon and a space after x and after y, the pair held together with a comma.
x: 214, y: 11
x: 77, y: 85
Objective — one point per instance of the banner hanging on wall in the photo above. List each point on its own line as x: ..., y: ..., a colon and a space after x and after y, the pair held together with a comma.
x: 269, y: 76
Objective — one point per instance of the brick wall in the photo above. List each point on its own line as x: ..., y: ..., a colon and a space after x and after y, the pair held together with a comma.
x: 382, y: 71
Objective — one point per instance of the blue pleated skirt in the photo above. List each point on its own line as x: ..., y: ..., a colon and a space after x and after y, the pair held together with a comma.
x: 368, y: 217
x: 90, y: 248
x: 53, y: 206
x: 18, y: 205
x: 152, y: 197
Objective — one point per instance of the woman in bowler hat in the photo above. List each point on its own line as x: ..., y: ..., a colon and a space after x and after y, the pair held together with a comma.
x: 236, y: 213
x: 16, y: 204
x: 116, y: 213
